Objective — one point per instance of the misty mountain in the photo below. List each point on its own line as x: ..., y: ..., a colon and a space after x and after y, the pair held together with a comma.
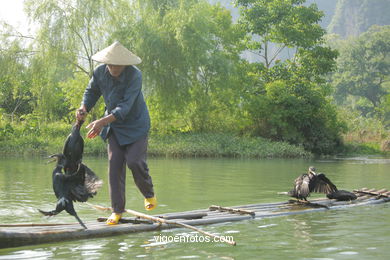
x: 353, y: 17
x: 344, y: 17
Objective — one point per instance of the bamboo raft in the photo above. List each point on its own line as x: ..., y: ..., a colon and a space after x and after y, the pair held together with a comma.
x: 13, y: 235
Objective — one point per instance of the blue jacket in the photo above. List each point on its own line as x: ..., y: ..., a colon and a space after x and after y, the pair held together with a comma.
x: 123, y: 99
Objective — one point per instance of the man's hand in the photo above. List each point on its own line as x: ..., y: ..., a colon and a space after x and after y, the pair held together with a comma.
x: 81, y: 113
x: 97, y: 125
x: 95, y: 128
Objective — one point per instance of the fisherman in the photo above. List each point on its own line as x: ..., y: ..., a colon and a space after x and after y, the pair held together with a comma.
x: 125, y: 124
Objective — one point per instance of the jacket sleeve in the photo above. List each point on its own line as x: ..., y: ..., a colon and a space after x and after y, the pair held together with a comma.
x: 132, y: 92
x: 92, y: 93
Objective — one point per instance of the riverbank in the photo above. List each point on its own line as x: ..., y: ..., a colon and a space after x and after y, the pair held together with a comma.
x: 49, y: 139
x: 42, y: 140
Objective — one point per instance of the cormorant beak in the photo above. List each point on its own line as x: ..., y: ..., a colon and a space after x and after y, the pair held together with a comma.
x: 53, y: 158
x: 51, y: 161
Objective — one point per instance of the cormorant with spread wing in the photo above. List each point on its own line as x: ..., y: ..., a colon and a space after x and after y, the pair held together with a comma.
x: 311, y: 182
x: 77, y: 182
x: 79, y: 186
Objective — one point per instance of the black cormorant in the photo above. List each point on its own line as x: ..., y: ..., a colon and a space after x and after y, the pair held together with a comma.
x: 78, y: 186
x: 73, y: 148
x: 311, y: 182
x: 342, y: 195
x: 72, y: 180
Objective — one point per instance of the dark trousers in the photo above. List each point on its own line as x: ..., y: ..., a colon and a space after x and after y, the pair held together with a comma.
x: 134, y: 156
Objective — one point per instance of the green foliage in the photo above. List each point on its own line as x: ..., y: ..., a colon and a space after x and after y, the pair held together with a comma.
x: 49, y: 99
x: 362, y: 79
x: 15, y: 94
x: 73, y: 89
x: 286, y: 23
x: 362, y: 129
x: 71, y: 31
x: 282, y: 21
x: 290, y: 101
x: 189, y: 48
x: 30, y: 138
x: 222, y: 145
x: 356, y: 148
x: 297, y: 113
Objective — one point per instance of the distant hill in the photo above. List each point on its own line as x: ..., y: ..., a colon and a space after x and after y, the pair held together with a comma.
x: 353, y: 17
x: 344, y: 17
x: 327, y: 6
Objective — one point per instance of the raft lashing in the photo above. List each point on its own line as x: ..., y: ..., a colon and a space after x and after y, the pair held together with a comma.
x: 13, y: 235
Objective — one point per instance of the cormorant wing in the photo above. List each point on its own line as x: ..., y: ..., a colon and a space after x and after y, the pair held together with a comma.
x: 87, y: 189
x: 76, y: 185
x: 92, y: 181
x: 302, y: 186
x: 79, y: 193
x: 320, y: 183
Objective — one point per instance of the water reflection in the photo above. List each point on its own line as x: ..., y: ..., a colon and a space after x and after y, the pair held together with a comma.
x: 355, y: 233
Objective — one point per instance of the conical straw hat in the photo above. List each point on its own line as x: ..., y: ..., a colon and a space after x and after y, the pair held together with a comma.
x: 116, y: 54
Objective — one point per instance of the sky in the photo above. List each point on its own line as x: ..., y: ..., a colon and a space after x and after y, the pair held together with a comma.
x: 11, y: 11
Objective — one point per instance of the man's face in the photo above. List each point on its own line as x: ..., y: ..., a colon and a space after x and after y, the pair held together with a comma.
x: 115, y: 70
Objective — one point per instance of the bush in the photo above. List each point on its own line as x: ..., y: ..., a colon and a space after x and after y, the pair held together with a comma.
x: 297, y: 113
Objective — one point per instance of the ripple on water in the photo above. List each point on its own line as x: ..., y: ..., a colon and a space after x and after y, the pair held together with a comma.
x: 232, y: 231
x: 329, y: 249
x: 266, y: 226
x: 320, y: 258
x: 348, y: 253
x: 124, y: 246
x: 155, y: 244
x: 366, y: 160
x: 28, y: 254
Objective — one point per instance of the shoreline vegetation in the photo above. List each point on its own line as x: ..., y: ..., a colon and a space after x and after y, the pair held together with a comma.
x: 48, y: 139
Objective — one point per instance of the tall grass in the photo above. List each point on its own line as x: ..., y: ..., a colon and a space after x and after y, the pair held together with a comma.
x: 221, y: 145
x: 365, y: 135
x: 25, y: 139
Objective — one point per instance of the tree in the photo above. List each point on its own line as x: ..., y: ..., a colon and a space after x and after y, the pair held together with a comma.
x: 15, y: 95
x: 69, y: 33
x: 74, y: 30
x: 290, y: 99
x: 363, y: 71
x: 188, y: 48
x: 286, y: 23
x: 189, y: 61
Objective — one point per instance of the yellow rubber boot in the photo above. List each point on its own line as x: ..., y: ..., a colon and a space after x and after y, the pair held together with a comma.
x: 114, y: 219
x: 150, y: 203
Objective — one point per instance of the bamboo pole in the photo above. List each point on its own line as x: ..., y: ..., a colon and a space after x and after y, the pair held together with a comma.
x: 231, y: 210
x: 380, y: 193
x: 166, y: 221
x: 36, y: 225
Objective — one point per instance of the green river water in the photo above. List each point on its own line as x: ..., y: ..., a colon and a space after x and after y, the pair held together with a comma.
x: 361, y: 232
